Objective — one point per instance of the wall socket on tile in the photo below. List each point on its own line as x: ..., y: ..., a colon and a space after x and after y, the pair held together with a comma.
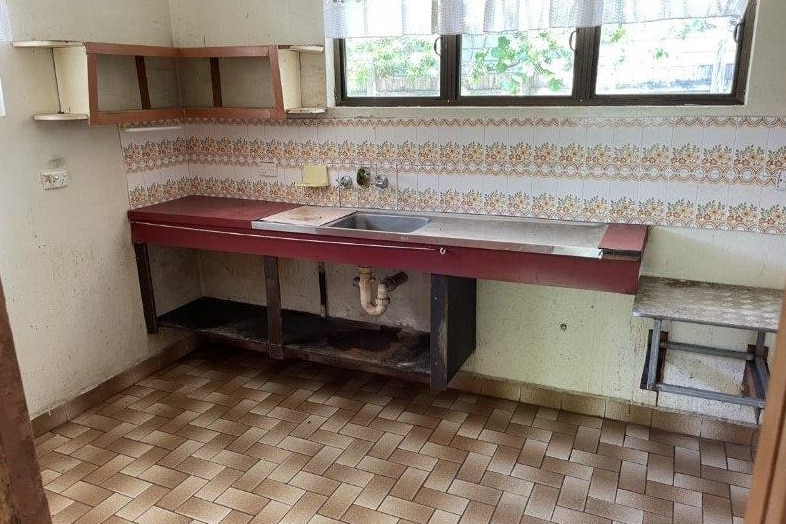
x: 55, y: 178
x: 780, y: 181
x: 267, y: 170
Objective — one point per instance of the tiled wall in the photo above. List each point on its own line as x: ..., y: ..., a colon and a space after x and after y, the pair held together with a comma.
x: 715, y: 173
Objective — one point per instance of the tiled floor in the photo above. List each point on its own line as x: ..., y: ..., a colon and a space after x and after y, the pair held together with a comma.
x: 233, y: 437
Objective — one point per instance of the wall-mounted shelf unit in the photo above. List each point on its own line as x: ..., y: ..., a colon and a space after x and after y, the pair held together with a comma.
x: 123, y: 84
x: 236, y: 78
x: 290, y: 66
x: 70, y: 67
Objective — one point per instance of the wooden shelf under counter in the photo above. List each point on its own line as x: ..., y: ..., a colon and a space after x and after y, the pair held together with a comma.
x: 358, y: 345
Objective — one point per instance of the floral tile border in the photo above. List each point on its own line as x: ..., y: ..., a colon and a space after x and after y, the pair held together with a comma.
x: 713, y: 214
x: 706, y: 172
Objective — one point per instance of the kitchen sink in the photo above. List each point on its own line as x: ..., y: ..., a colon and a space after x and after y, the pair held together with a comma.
x: 379, y: 222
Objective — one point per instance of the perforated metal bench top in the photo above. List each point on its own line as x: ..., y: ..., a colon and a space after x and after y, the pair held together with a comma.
x: 752, y: 308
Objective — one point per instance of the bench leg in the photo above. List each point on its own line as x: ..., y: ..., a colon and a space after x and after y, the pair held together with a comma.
x: 761, y: 373
x: 146, y: 287
x: 654, y: 355
x: 275, y: 329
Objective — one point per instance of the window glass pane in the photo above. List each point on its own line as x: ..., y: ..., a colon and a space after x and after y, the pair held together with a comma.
x: 668, y: 57
x: 399, y: 66
x: 528, y: 63
x: 5, y: 24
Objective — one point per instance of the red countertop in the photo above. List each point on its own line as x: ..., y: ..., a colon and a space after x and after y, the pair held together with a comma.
x: 209, y: 211
x: 224, y: 224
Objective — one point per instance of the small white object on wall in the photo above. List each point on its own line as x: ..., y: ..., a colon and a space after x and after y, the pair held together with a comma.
x: 55, y: 178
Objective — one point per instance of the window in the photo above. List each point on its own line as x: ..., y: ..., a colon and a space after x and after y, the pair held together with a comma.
x: 5, y: 24
x: 684, y: 60
x: 5, y: 36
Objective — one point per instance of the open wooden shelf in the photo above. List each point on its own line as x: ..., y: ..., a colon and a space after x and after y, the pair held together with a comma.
x: 61, y: 117
x: 346, y: 343
x: 107, y: 83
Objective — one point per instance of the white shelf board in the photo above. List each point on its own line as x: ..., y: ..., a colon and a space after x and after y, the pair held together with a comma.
x: 48, y: 44
x: 306, y: 110
x: 315, y: 49
x: 60, y: 117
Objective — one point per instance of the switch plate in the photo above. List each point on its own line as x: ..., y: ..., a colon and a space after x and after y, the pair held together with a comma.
x: 780, y: 180
x: 55, y: 178
x: 267, y: 170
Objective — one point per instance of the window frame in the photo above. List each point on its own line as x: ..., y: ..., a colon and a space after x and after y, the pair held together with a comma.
x: 585, y: 72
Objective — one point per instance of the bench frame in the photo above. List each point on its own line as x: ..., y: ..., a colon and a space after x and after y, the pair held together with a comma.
x: 755, y: 363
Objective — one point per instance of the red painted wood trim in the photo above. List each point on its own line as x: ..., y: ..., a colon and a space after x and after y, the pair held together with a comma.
x: 210, y: 211
x: 226, y: 51
x: 92, y: 87
x: 624, y: 237
x: 278, y: 88
x: 136, y: 115
x: 23, y: 499
x: 238, y: 113
x: 131, y: 50
x: 215, y: 80
x: 620, y: 276
x: 141, y: 78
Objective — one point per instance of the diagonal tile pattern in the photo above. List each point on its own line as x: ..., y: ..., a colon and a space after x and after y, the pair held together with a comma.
x: 225, y: 436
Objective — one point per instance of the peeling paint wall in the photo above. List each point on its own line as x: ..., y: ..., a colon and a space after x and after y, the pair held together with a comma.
x: 66, y: 258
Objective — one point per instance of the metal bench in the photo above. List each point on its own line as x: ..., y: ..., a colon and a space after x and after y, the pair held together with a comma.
x: 740, y: 307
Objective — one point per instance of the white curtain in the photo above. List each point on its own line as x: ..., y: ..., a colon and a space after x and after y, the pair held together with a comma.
x: 5, y: 25
x: 367, y: 18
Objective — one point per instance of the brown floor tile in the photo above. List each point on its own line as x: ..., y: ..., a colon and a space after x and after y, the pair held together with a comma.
x: 341, y: 499
x: 573, y: 493
x: 242, y: 501
x: 233, y: 438
x: 203, y: 510
x: 542, y: 501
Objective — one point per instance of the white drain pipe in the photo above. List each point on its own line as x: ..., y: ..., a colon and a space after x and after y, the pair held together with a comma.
x: 365, y: 281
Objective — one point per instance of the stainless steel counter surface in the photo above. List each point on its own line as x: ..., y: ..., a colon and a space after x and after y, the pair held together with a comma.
x: 578, y: 239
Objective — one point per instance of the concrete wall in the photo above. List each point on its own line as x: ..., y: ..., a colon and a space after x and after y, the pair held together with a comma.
x: 65, y: 255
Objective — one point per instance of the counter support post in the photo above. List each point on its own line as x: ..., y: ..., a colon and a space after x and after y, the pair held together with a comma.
x: 146, y: 287
x: 275, y: 329
x: 453, y: 318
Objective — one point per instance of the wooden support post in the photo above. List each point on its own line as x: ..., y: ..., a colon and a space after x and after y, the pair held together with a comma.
x: 275, y: 326
x: 453, y: 319
x: 215, y: 79
x: 766, y: 504
x: 22, y: 499
x: 146, y: 287
x: 141, y: 78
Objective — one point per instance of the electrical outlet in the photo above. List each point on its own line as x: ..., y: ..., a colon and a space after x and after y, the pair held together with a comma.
x: 780, y: 181
x: 268, y: 170
x: 55, y: 178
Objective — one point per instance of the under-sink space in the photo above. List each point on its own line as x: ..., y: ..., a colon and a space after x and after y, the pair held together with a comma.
x: 392, y: 351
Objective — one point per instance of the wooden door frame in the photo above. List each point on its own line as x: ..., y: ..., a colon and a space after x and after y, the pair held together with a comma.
x: 22, y: 498
x: 767, y: 500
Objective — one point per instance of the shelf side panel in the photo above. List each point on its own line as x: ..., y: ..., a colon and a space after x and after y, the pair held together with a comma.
x: 71, y: 75
x: 289, y: 64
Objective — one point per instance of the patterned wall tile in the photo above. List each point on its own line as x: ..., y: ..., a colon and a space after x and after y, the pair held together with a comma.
x: 711, y: 172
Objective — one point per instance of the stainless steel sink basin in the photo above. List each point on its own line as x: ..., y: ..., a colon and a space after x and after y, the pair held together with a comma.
x: 378, y: 222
